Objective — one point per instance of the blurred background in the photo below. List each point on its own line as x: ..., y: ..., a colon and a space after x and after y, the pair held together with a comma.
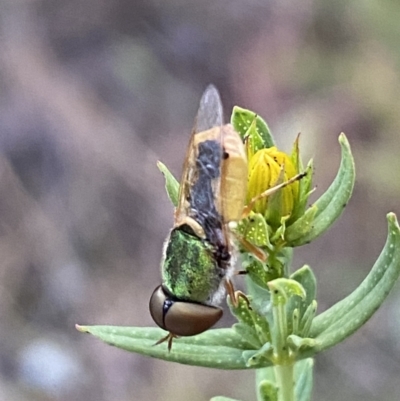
x: 93, y: 93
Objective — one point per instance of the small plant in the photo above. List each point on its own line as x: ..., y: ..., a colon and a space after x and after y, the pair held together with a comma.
x: 278, y: 332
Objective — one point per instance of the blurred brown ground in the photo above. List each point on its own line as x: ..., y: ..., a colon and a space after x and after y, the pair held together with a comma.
x: 93, y: 93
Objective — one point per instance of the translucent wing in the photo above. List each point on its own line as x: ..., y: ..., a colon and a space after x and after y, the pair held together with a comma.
x: 200, y: 182
x: 210, y: 113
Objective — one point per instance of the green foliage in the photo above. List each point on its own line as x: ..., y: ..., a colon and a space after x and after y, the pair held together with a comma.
x: 349, y: 314
x: 304, y: 379
x: 220, y: 348
x: 171, y: 184
x: 278, y: 331
x: 329, y: 206
x: 232, y: 349
x: 242, y: 120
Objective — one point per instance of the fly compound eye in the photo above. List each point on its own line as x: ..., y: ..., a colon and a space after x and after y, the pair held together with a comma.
x: 189, y: 319
x: 182, y: 318
x: 156, y: 306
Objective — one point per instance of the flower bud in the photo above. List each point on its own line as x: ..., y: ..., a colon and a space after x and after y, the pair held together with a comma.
x: 268, y: 168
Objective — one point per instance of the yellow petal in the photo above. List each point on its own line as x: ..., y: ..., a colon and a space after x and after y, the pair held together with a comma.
x: 265, y: 171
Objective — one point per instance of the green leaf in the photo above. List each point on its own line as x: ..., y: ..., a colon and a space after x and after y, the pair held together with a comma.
x: 255, y: 140
x: 295, y: 155
x: 307, y: 319
x: 245, y: 329
x: 283, y: 288
x: 241, y: 120
x: 219, y: 348
x: 330, y: 205
x: 248, y: 333
x: 255, y: 229
x: 260, y: 297
x: 171, y: 184
x: 242, y: 311
x: 294, y: 324
x: 306, y: 278
x: 305, y: 191
x: 268, y: 391
x: 259, y: 273
x: 296, y: 343
x: 303, y: 372
x: 349, y: 314
x: 261, y: 357
x: 253, y: 320
x: 301, y: 227
x: 263, y: 376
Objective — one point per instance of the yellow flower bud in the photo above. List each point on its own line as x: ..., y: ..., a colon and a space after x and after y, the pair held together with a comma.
x: 268, y: 168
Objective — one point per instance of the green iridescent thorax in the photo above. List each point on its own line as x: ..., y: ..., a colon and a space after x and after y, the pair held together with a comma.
x: 190, y: 271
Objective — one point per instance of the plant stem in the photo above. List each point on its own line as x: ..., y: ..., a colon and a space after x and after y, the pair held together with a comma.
x: 284, y: 367
x: 279, y: 339
x: 285, y: 381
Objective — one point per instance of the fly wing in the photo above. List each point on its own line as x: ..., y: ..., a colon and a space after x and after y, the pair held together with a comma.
x: 210, y: 113
x: 209, y: 116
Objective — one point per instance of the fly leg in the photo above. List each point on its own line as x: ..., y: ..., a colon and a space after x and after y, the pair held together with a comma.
x: 247, y: 245
x: 251, y: 248
x: 235, y: 295
x: 169, y: 337
x: 270, y: 191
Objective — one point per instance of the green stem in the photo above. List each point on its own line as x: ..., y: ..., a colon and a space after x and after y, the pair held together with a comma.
x: 284, y: 367
x: 280, y: 333
x: 285, y: 380
x: 282, y: 374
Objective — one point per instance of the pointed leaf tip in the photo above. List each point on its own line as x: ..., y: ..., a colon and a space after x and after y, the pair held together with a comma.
x: 241, y: 119
x: 80, y: 328
x: 343, y: 139
x: 330, y: 205
x: 171, y: 183
x: 392, y: 218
